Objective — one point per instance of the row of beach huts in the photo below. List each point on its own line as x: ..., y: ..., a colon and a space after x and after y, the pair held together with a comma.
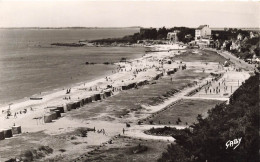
x: 55, y: 112
x: 10, y: 132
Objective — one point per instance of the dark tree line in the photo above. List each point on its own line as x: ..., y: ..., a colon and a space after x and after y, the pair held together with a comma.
x: 206, y: 140
x: 162, y: 33
x: 151, y: 34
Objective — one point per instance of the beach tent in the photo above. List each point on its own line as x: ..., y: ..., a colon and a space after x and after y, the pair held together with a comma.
x: 86, y: 101
x: 93, y: 98
x: 129, y: 86
x: 8, y: 133
x: 102, y: 96
x: 172, y: 71
x: 53, y: 115
x: 108, y: 93
x: 2, y: 135
x: 89, y: 98
x: 158, y: 76
x: 77, y: 104
x: 97, y: 97
x: 47, y: 118
x: 82, y: 102
x: 74, y: 105
x: 143, y: 82
x: 16, y: 129
x: 69, y: 106
x: 132, y: 85
x: 124, y: 87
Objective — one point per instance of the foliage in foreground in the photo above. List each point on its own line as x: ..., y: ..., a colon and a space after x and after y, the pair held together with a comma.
x: 33, y: 154
x: 206, y: 140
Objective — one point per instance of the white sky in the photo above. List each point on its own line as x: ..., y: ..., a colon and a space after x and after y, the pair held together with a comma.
x: 128, y: 13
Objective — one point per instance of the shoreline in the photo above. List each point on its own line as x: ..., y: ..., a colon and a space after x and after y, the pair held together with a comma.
x: 54, y: 90
x: 50, y: 97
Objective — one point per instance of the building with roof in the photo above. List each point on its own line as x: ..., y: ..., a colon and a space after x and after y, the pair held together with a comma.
x: 172, y: 36
x: 203, y: 35
x: 202, y: 31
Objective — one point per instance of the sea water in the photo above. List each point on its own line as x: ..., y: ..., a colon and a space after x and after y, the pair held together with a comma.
x: 30, y: 65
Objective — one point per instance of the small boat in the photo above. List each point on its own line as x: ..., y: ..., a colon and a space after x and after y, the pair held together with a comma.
x: 36, y: 98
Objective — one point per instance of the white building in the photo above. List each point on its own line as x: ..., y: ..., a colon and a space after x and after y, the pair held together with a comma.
x: 172, y: 36
x: 202, y: 31
x: 203, y: 36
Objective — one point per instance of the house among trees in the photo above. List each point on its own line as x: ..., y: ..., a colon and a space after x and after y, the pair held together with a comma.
x: 172, y: 36
x: 252, y: 35
x: 240, y: 37
x: 203, y: 36
x: 236, y: 45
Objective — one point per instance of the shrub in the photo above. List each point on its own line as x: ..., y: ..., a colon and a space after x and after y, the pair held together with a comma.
x: 82, y: 132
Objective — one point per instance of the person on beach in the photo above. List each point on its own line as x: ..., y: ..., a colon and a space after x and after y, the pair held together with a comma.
x: 123, y: 131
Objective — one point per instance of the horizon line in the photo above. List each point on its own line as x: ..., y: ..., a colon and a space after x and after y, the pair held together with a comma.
x: 115, y: 27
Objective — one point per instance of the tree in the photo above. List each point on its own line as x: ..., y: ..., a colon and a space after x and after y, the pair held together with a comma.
x: 162, y: 33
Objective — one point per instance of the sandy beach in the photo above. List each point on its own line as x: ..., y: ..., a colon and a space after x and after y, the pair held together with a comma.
x: 132, y: 71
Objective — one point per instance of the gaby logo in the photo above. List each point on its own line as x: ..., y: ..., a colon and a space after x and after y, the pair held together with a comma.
x: 234, y: 143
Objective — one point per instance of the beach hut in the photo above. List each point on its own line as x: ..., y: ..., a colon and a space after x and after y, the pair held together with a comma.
x: 158, y: 76
x: 86, y: 100
x: 58, y: 113
x: 47, y: 118
x: 141, y: 83
x: 61, y: 109
x: 77, y: 104
x: 102, y: 96
x: 69, y: 106
x: 74, y: 105
x: 172, y: 71
x: 82, y: 102
x: 16, y: 129
x: 93, y: 98
x: 124, y: 87
x: 89, y: 99
x: 132, y: 85
x: 53, y: 115
x: 8, y: 133
x: 2, y: 135
x: 129, y: 86
x: 108, y: 93
x: 97, y: 97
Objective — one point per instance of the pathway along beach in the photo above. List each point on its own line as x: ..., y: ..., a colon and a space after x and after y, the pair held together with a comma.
x: 90, y: 105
